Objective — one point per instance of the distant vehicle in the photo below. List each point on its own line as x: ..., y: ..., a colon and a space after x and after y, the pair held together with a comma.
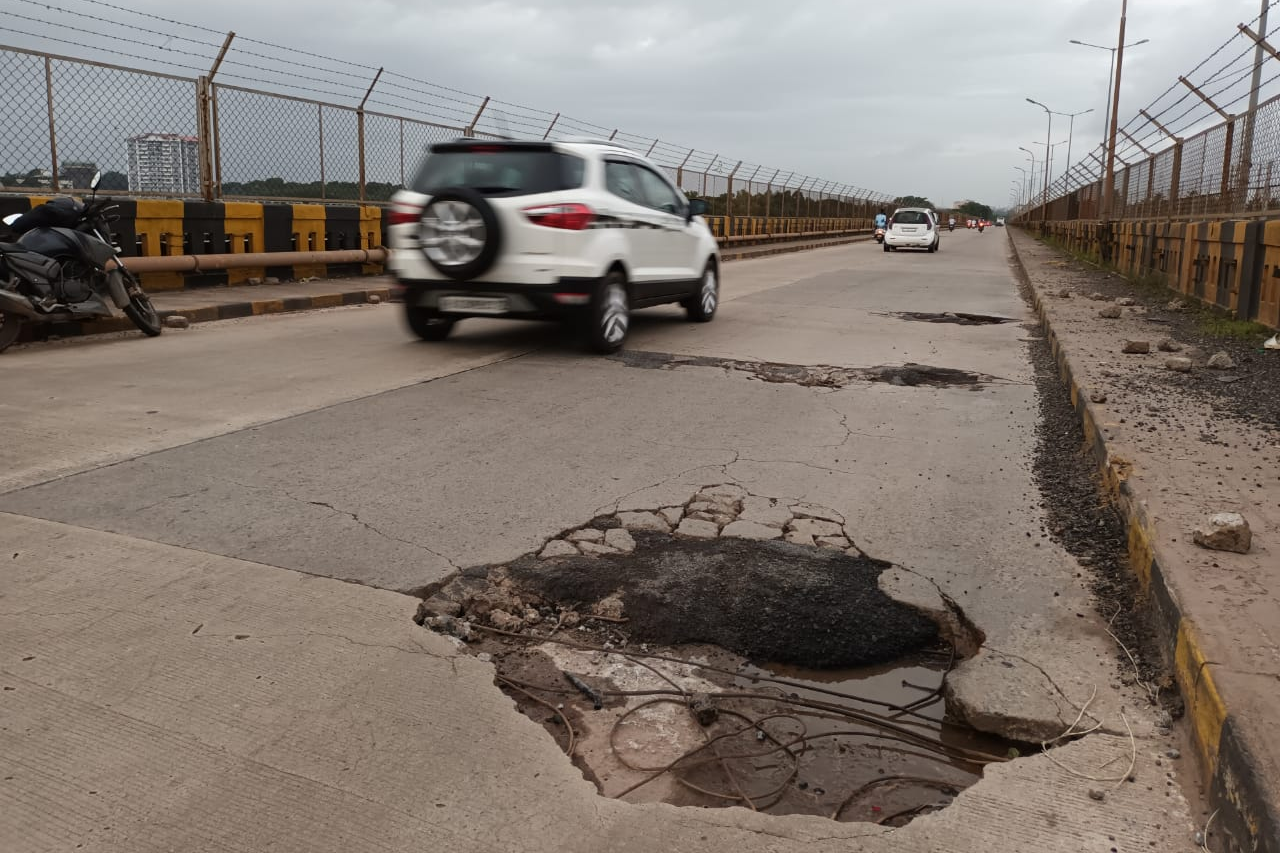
x: 1000, y: 222
x: 912, y: 228
x: 585, y: 231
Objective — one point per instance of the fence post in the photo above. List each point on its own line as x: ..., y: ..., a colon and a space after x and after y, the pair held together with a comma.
x: 360, y: 130
x: 205, y: 153
x: 1176, y: 180
x: 215, y: 140
x: 680, y: 170
x: 53, y: 135
x: 1227, y: 193
x: 320, y: 120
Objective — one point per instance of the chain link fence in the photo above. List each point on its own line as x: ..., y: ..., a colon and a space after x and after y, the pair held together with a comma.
x: 1213, y: 173
x: 154, y: 134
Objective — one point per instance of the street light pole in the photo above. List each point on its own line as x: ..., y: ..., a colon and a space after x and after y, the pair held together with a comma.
x: 1048, y: 135
x: 1111, y: 72
x: 1109, y: 185
x: 1071, y: 130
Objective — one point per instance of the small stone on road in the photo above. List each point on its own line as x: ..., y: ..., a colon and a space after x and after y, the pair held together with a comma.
x: 176, y: 321
x: 1136, y: 347
x: 1180, y: 363
x: 1097, y: 396
x: 1221, y: 361
x: 1169, y: 345
x: 1226, y: 531
x: 1126, y: 301
x: 1111, y: 312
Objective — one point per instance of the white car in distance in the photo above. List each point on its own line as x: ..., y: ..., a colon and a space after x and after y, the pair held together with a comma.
x: 912, y: 228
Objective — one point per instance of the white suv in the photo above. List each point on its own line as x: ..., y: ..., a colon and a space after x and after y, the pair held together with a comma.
x: 583, y: 230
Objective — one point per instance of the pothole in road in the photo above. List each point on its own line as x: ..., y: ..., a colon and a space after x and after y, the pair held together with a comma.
x: 813, y: 376
x: 956, y: 317
x: 734, y: 650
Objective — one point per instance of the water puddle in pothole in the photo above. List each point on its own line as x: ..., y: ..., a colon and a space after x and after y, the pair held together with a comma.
x: 956, y: 317
x: 634, y: 651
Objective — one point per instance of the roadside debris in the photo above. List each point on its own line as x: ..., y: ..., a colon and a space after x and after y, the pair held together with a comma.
x: 1169, y: 345
x: 176, y: 321
x: 1179, y: 363
x: 1136, y: 347
x: 1226, y: 531
x: 1221, y: 361
x: 1126, y: 301
x: 1111, y: 312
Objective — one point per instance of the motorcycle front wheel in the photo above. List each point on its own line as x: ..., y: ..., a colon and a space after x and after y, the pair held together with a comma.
x: 140, y: 310
x: 10, y: 328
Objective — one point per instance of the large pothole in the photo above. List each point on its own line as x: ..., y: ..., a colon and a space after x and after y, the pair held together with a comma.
x: 813, y: 375
x: 735, y: 650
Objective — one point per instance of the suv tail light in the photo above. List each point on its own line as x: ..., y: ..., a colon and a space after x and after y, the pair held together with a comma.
x: 569, y: 217
x: 403, y: 213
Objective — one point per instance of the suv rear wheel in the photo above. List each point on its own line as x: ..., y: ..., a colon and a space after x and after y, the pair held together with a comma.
x: 427, y: 323
x: 610, y: 315
x: 701, y: 307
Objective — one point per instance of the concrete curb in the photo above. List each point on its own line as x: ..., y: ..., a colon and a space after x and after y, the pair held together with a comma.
x: 229, y: 311
x: 752, y: 252
x: 1247, y: 811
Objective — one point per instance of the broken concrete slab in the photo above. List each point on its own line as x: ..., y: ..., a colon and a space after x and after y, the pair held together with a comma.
x: 558, y: 548
x: 1009, y: 697
x: 697, y: 528
x: 644, y: 521
x: 744, y: 529
x: 587, y: 534
x: 619, y: 539
x: 815, y: 528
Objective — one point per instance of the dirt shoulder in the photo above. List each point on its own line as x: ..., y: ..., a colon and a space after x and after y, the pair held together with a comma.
x: 1187, y: 444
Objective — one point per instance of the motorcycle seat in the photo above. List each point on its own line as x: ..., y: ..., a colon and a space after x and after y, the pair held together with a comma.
x: 12, y: 248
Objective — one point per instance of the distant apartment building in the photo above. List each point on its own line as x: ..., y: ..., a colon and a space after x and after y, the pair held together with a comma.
x: 164, y: 163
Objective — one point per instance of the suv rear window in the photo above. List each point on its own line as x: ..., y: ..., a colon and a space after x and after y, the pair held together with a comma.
x: 911, y: 217
x: 494, y: 170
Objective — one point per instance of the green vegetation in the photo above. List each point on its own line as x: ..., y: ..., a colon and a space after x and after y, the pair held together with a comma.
x: 977, y: 210
x: 912, y: 201
x: 1218, y: 325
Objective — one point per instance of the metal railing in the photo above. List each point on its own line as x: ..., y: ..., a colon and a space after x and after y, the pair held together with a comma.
x: 1208, y: 174
x: 163, y: 135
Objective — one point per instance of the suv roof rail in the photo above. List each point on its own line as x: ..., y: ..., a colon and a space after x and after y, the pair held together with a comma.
x: 591, y: 140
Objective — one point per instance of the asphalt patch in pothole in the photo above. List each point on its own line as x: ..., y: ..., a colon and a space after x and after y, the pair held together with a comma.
x: 813, y: 376
x: 956, y: 317
x: 769, y: 601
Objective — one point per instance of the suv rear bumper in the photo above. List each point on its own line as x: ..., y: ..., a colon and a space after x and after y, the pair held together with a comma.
x: 526, y: 301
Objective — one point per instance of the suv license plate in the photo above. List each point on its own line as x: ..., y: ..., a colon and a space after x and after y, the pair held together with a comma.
x: 474, y: 304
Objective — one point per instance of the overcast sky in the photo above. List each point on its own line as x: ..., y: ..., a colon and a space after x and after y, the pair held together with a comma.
x: 905, y: 96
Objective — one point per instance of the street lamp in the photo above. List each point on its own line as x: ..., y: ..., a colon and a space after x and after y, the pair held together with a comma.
x: 1026, y: 178
x: 1047, y: 136
x: 1111, y: 75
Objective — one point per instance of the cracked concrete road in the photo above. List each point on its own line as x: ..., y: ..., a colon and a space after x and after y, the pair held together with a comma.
x: 223, y: 481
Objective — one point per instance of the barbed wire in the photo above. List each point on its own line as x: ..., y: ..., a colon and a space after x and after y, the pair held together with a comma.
x: 403, y: 96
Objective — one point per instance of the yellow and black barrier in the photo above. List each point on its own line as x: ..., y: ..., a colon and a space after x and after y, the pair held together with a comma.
x: 165, y: 227
x: 1232, y: 264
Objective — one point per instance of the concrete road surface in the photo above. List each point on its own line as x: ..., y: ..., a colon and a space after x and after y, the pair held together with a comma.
x: 205, y: 641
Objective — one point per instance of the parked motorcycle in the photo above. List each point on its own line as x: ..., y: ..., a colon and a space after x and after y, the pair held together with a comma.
x: 879, y: 235
x: 65, y: 266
